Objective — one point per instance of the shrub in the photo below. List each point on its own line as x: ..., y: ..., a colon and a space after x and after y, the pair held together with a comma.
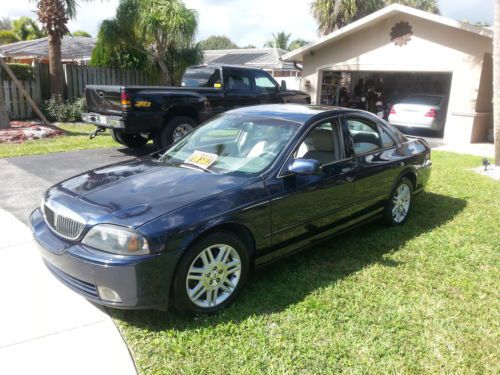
x: 23, y: 72
x: 67, y: 111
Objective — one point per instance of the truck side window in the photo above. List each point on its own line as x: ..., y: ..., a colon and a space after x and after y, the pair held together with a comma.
x: 237, y: 81
x: 264, y: 83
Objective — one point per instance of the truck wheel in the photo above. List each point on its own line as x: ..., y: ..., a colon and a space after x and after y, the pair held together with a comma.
x: 129, y: 140
x: 175, y: 129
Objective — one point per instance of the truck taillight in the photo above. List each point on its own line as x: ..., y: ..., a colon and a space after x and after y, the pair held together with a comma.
x: 392, y: 111
x: 431, y: 113
x: 125, y: 100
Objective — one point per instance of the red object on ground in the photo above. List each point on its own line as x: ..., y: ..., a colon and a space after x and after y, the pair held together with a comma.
x: 21, y: 131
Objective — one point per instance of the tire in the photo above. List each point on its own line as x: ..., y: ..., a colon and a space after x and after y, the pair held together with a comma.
x: 129, y: 140
x: 176, y: 128
x: 206, y: 285
x: 398, y: 207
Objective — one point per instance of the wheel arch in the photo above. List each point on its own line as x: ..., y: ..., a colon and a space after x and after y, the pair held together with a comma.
x: 182, y: 110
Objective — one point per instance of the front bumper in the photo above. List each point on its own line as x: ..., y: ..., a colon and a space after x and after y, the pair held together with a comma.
x: 139, y: 281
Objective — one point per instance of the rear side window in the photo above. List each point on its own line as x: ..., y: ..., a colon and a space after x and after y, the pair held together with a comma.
x: 201, y: 77
x: 237, y: 81
x: 364, y: 134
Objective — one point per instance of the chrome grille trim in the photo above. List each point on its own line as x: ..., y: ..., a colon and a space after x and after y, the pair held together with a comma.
x: 62, y: 225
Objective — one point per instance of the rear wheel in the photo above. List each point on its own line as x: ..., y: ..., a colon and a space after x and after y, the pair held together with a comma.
x: 129, y: 140
x: 398, y: 206
x: 175, y: 129
x: 211, y: 275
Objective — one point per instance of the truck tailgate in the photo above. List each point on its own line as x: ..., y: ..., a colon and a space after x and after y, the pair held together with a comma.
x: 103, y: 99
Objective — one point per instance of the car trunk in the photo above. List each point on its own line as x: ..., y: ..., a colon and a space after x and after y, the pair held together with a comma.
x: 103, y: 99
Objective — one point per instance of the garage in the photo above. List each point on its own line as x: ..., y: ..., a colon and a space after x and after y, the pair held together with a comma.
x: 380, y: 93
x: 399, y: 58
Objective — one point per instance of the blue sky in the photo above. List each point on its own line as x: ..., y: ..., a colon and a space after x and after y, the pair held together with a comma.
x: 244, y: 21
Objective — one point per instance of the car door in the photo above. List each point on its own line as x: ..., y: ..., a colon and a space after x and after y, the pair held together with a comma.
x: 376, y: 161
x: 267, y: 88
x: 239, y: 88
x: 307, y: 206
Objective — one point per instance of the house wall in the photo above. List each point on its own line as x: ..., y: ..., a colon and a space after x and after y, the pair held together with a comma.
x: 432, y: 48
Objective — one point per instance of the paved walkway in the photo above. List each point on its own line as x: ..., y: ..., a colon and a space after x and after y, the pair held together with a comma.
x: 45, y: 328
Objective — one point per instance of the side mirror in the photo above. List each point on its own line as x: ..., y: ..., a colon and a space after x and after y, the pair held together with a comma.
x: 305, y: 166
x: 283, y: 85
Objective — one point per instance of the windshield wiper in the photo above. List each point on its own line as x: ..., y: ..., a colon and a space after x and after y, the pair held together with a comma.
x: 197, y: 167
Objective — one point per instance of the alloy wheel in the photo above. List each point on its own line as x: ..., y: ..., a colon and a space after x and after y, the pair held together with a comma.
x: 401, y: 203
x: 213, y: 276
x: 181, y: 130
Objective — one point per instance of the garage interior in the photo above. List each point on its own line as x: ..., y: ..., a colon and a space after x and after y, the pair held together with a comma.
x: 348, y: 88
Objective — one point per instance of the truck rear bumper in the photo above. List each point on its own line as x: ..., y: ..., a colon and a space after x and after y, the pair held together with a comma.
x: 104, y: 121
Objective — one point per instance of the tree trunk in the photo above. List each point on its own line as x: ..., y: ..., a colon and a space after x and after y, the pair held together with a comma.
x: 55, y: 67
x: 164, y: 70
x: 496, y: 82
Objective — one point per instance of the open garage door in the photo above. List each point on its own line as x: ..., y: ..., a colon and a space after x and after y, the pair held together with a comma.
x: 416, y: 102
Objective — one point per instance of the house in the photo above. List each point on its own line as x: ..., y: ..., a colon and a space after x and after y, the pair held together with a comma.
x: 268, y: 59
x: 74, y: 49
x: 403, y: 50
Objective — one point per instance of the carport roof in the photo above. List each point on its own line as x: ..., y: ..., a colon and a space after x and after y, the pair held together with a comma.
x: 298, y: 54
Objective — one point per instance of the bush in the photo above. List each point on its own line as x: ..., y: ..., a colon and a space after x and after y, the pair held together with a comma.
x: 23, y: 72
x: 67, y: 111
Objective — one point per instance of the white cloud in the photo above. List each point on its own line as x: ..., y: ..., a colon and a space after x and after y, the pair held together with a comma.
x: 244, y: 21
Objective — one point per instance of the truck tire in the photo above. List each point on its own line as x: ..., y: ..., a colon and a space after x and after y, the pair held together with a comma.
x: 176, y: 128
x: 129, y: 140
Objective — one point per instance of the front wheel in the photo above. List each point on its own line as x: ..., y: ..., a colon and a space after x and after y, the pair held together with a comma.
x: 129, y: 140
x: 399, y: 204
x: 211, y: 275
x: 174, y: 130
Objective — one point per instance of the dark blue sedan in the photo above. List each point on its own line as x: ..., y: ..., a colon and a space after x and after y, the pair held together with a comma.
x: 187, y: 225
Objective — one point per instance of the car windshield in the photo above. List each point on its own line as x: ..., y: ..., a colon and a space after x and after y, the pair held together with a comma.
x: 422, y: 99
x: 233, y: 144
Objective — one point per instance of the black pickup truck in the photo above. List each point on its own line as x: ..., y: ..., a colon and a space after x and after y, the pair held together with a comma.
x: 135, y: 114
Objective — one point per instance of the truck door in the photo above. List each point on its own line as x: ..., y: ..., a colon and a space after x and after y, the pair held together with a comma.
x: 239, y: 88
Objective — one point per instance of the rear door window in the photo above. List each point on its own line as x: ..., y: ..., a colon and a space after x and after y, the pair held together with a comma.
x: 237, y: 80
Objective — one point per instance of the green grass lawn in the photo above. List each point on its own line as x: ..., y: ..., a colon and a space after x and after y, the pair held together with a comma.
x: 422, y: 298
x: 76, y: 137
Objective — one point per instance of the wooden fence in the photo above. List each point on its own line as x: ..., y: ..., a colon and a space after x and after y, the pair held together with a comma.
x: 15, y: 103
x: 76, y: 78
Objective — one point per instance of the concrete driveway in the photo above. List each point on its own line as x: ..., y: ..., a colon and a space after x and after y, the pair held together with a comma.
x: 45, y: 328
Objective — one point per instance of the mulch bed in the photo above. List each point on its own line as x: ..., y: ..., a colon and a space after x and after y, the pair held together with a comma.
x: 21, y: 131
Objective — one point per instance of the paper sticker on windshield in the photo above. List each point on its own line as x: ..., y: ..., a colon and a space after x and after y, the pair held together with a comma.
x: 201, y: 159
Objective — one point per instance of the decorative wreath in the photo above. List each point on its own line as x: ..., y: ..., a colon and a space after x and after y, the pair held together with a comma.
x: 401, y: 33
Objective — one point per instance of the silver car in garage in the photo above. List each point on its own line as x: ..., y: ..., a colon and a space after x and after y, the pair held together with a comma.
x: 420, y: 111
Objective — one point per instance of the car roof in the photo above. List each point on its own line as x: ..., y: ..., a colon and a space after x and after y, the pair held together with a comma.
x: 300, y: 113
x: 292, y: 112
x: 221, y: 65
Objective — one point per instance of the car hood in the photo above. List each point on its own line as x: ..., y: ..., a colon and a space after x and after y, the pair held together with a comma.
x: 134, y: 192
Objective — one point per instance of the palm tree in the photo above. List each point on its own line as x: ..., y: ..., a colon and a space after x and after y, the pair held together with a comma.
x: 54, y: 16
x: 280, y: 40
x: 334, y: 14
x: 496, y: 81
x: 26, y: 28
x: 156, y: 28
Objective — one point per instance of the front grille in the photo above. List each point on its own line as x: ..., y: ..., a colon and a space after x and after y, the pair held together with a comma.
x: 80, y: 286
x: 62, y: 225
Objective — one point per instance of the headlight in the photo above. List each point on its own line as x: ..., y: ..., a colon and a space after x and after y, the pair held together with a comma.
x: 117, y: 240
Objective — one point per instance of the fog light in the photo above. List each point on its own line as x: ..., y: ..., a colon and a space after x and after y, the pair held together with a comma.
x: 108, y: 294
